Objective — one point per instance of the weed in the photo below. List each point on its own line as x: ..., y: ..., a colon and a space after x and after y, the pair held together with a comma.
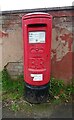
x: 13, y: 87
x: 59, y: 90
x: 15, y: 107
x: 6, y: 81
x: 0, y: 85
x: 56, y: 86
x: 56, y: 101
x: 13, y: 91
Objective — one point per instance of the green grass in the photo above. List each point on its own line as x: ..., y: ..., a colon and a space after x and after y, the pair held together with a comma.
x: 13, y: 90
x: 0, y: 86
x: 61, y: 91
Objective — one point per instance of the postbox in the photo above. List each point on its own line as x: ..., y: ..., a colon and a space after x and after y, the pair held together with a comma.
x: 37, y: 29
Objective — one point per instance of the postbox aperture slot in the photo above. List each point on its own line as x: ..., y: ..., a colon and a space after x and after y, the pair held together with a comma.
x: 36, y: 25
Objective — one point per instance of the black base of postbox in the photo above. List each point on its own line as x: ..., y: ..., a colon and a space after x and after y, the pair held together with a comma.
x: 36, y: 94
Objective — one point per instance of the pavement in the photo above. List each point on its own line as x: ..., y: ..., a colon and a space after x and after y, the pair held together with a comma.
x: 64, y: 110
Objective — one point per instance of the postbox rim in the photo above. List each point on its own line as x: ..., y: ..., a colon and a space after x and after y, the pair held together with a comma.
x: 36, y: 15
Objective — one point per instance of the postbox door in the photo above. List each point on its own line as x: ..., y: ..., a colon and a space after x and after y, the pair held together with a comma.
x: 37, y: 53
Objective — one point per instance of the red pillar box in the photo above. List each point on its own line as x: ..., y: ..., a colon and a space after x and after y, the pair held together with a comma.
x: 37, y: 29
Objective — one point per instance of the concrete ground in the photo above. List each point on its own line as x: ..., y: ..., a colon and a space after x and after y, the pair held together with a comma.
x: 63, y: 110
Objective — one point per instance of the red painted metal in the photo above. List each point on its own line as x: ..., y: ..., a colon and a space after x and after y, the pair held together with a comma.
x: 37, y: 55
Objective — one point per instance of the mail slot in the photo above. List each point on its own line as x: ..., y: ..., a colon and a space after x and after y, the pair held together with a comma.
x: 37, y: 29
